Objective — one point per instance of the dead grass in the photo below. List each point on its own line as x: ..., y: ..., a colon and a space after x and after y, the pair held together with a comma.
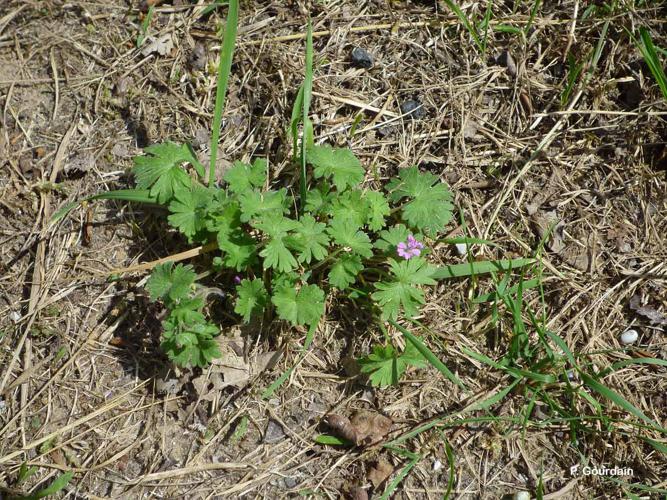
x: 83, y: 387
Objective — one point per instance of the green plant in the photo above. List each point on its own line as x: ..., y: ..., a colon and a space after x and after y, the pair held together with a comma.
x: 336, y: 238
x: 54, y: 487
x: 144, y: 26
x: 650, y: 55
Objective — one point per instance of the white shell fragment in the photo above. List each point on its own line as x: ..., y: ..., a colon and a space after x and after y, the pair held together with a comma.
x: 629, y: 337
x: 522, y: 495
x: 461, y: 248
x: 437, y: 465
x: 15, y: 316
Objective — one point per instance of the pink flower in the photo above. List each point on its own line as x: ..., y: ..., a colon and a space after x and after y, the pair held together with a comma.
x: 409, y: 249
x: 237, y: 279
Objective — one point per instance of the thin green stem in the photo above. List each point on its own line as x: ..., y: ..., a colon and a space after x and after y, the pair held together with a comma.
x: 307, y: 127
x: 224, y: 68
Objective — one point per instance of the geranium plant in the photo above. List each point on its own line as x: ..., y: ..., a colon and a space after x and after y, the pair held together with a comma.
x: 288, y: 254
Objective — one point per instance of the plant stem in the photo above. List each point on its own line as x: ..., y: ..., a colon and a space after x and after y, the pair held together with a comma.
x: 224, y: 68
x: 307, y: 130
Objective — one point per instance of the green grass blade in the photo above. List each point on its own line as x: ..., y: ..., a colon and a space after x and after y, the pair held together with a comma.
x: 133, y: 195
x: 482, y: 358
x: 330, y: 440
x: 430, y: 357
x: 661, y: 447
x: 508, y: 28
x: 224, y: 68
x: 63, y: 211
x: 307, y: 127
x: 144, y: 26
x: 531, y: 18
x: 53, y: 488
x: 566, y: 350
x: 573, y: 72
x: 483, y: 267
x: 450, y: 421
x: 485, y: 24
x: 537, y: 377
x: 652, y: 60
x: 634, y: 361
x: 213, y: 6
x: 467, y: 240
x: 468, y: 25
x: 492, y: 296
x: 294, y: 122
x: 598, y: 50
x: 619, y: 400
x: 495, y: 398
x: 401, y: 475
x: 25, y: 472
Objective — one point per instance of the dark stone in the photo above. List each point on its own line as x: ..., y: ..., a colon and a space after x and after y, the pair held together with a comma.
x: 274, y: 432
x: 413, y: 109
x: 361, y: 58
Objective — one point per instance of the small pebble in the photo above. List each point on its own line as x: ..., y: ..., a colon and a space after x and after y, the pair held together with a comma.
x: 413, y: 109
x: 629, y: 337
x: 437, y: 465
x: 274, y: 432
x: 522, y: 495
x: 361, y: 58
x: 461, y: 248
x: 290, y: 482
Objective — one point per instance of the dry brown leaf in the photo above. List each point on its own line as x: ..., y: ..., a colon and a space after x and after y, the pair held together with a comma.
x: 342, y: 427
x: 370, y: 427
x: 364, y: 428
x: 380, y: 472
x: 232, y: 368
x: 653, y: 315
x: 544, y: 221
x: 526, y: 103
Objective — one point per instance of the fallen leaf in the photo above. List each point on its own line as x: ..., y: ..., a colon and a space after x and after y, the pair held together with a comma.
x: 545, y: 192
x: 580, y: 260
x: 653, y: 315
x: 342, y: 426
x: 162, y: 45
x: 380, y: 472
x: 526, y: 103
x: 371, y: 427
x: 543, y: 222
x: 363, y: 429
x: 198, y: 57
x: 168, y: 386
x: 232, y: 368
